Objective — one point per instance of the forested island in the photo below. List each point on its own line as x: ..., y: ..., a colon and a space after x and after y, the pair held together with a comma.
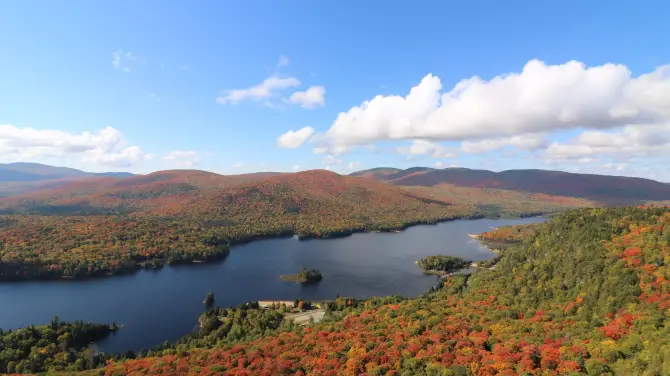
x: 55, y: 347
x: 441, y: 264
x: 303, y: 276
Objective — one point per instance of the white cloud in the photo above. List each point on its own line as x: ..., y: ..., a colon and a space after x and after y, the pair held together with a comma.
x: 105, y: 147
x: 296, y: 168
x: 625, y: 143
x: 525, y: 142
x: 541, y: 98
x: 614, y: 166
x: 238, y: 165
x: 293, y: 139
x: 354, y: 166
x: 312, y: 97
x: 183, y: 158
x: 126, y: 60
x: 440, y: 164
x: 269, y: 88
x: 283, y: 61
x: 423, y: 147
x: 330, y: 160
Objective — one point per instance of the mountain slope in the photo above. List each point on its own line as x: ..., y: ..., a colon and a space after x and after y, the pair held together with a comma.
x: 387, y: 173
x: 109, y: 225
x: 21, y: 177
x: 585, y: 294
x: 611, y: 190
x: 137, y: 193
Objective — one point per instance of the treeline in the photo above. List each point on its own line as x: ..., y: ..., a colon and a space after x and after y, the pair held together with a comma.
x: 47, y: 247
x: 95, y: 229
x: 587, y: 294
x: 511, y: 234
x: 58, y: 346
x: 79, y: 247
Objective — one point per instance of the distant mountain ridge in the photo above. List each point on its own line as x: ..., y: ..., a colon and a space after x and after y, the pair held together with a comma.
x: 611, y: 190
x: 21, y: 177
x: 27, y: 171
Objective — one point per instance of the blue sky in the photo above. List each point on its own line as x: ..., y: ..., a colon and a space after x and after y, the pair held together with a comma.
x: 147, y: 85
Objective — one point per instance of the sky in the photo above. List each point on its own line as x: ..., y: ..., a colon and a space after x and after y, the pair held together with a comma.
x: 242, y: 86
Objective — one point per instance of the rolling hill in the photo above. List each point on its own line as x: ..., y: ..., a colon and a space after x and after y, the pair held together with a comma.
x: 109, y: 225
x: 609, y: 190
x: 22, y: 177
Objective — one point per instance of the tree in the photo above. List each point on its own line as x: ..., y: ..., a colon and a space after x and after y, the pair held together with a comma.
x: 209, y: 299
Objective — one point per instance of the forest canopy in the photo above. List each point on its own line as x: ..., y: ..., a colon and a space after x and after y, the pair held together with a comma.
x: 585, y: 294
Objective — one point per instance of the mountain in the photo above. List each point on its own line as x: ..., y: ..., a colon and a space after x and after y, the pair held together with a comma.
x: 584, y: 294
x: 389, y: 173
x: 107, y: 225
x: 610, y: 190
x: 21, y: 177
x: 23, y: 171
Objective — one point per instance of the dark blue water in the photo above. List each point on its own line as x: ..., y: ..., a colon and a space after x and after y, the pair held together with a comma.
x: 155, y: 306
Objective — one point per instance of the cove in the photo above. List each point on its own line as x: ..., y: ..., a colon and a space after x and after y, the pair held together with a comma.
x: 162, y: 305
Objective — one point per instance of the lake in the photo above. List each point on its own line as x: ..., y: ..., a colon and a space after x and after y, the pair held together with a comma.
x: 159, y: 305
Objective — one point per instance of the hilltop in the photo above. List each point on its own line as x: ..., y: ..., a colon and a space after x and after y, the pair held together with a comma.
x: 22, y: 177
x: 109, y: 225
x: 606, y: 189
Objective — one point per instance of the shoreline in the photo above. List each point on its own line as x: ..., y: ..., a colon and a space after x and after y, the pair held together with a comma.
x: 223, y: 255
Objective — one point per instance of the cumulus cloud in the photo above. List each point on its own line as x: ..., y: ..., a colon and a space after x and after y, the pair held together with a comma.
x: 293, y: 139
x: 524, y: 142
x: 269, y: 88
x: 312, y: 97
x: 330, y: 160
x: 541, y: 98
x: 627, y: 142
x: 105, y: 147
x: 126, y: 60
x: 336, y: 150
x: 183, y: 158
x: 423, y: 147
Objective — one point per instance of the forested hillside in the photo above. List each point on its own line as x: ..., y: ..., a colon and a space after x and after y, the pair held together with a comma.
x: 20, y: 177
x: 606, y: 189
x: 585, y: 294
x: 56, y: 346
x: 107, y: 226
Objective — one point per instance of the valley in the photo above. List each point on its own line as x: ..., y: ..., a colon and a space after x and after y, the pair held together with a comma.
x: 107, y: 226
x: 171, y: 237
x: 361, y: 265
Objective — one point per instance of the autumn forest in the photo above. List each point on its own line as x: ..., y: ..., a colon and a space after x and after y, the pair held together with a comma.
x: 585, y: 293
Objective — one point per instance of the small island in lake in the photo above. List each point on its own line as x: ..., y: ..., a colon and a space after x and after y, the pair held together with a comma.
x: 304, y: 276
x: 441, y: 264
